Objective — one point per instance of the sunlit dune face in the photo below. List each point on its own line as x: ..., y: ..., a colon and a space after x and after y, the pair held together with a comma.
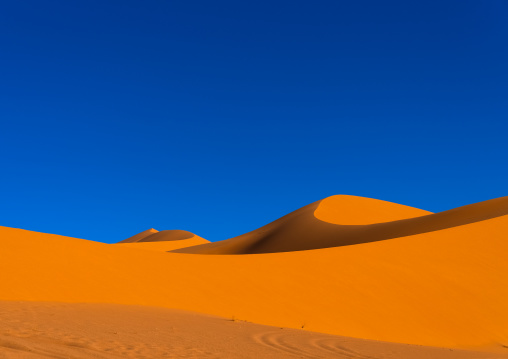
x: 351, y: 210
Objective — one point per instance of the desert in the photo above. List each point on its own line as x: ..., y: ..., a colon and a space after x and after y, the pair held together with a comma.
x: 344, y: 277
x: 253, y: 179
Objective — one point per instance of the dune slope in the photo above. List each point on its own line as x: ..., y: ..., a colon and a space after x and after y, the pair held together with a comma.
x: 336, y: 221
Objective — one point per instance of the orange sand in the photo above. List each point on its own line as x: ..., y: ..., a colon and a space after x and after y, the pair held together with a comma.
x: 429, y: 279
x: 70, y: 330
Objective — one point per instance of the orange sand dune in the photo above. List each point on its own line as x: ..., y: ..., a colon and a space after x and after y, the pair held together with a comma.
x: 166, y: 246
x: 153, y: 235
x: 69, y: 330
x: 438, y: 285
x: 138, y: 237
x: 168, y: 240
x: 346, y: 220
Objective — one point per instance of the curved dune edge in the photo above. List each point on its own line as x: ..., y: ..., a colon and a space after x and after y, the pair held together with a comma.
x: 354, y: 210
x: 49, y: 329
x: 443, y: 288
x: 165, y: 246
x: 302, y: 230
x: 153, y: 235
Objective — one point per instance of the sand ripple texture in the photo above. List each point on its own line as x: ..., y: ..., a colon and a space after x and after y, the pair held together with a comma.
x: 81, y: 331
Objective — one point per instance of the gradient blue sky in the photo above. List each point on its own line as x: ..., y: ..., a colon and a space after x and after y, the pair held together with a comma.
x: 220, y: 116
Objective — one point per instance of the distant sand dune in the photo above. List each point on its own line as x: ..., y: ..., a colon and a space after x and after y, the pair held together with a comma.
x: 165, y: 241
x: 138, y: 237
x: 153, y: 235
x: 335, y: 221
x: 166, y: 246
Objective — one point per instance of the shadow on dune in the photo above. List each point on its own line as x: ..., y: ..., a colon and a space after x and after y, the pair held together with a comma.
x: 301, y: 230
x: 152, y: 235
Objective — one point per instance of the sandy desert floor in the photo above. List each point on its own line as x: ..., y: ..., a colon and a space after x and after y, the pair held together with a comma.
x: 375, y: 279
x: 82, y: 331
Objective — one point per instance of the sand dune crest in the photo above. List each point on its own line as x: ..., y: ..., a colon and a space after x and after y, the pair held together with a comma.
x: 320, y: 225
x: 138, y: 237
x: 153, y: 235
x: 167, y: 240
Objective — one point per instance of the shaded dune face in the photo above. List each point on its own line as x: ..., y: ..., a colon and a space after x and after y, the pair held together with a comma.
x: 152, y: 235
x: 163, y: 241
x: 138, y: 237
x: 336, y: 221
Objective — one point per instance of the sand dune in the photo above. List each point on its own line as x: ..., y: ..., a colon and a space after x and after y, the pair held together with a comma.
x: 167, y: 240
x: 138, y: 237
x: 337, y: 221
x: 60, y: 330
x: 153, y: 235
x: 433, y: 279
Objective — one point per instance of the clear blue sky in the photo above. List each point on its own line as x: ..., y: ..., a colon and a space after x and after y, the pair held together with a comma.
x: 220, y: 116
